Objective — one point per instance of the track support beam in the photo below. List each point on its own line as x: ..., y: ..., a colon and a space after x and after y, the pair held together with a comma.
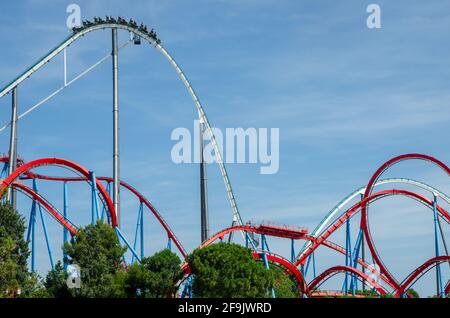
x: 203, y: 189
x: 66, y: 232
x: 439, y: 283
x: 11, y: 196
x: 116, y: 157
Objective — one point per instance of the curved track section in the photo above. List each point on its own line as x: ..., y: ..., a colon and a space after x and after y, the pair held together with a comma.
x: 332, y: 214
x: 327, y: 274
x: 170, y: 233
x: 59, y: 162
x: 154, y: 41
x: 47, y: 206
x: 288, y: 266
x: 419, y: 272
x: 349, y: 213
x: 364, y: 210
x: 309, y: 238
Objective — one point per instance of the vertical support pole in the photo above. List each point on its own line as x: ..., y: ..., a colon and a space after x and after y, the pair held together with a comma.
x: 65, y: 231
x: 203, y: 188
x: 355, y: 256
x: 94, y: 200
x: 314, y: 264
x: 44, y: 227
x: 4, y: 172
x: 187, y: 290
x: 30, y: 234
x: 142, y: 229
x: 363, y: 255
x: 348, y: 254
x: 116, y: 157
x: 233, y: 223
x: 11, y: 195
x: 47, y: 241
x: 439, y: 285
x: 169, y: 244
x: 266, y: 263
x: 138, y: 223
x: 292, y: 250
x: 306, y: 268
x: 121, y: 237
x: 104, y: 208
x: 264, y: 244
x: 4, y: 175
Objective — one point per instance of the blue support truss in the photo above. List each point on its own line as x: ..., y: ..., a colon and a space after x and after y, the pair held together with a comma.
x: 139, y: 231
x: 141, y: 208
x: 169, y: 244
x: 3, y: 175
x: 36, y: 206
x: 440, y: 286
x: 121, y: 237
x: 266, y: 263
x: 348, y: 257
x: 313, y: 258
x: 264, y: 244
x: 30, y: 235
x: 94, y: 198
x: 292, y: 250
x: 187, y: 290
x: 354, y: 282
x: 104, y: 209
x: 65, y: 231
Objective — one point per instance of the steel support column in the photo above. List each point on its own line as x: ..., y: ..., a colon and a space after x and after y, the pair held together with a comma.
x: 363, y: 255
x: 65, y: 231
x: 142, y: 230
x: 31, y: 235
x: 439, y: 284
x: 203, y: 189
x: 94, y: 200
x: 11, y: 195
x: 116, y: 157
x: 292, y: 250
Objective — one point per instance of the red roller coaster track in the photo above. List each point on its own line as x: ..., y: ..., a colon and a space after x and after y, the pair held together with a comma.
x: 364, y: 210
x: 59, y: 162
x: 24, y: 172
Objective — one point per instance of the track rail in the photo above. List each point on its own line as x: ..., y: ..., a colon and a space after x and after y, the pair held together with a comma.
x: 359, y: 192
x: 154, y: 41
x: 316, y: 282
x: 364, y: 208
x: 64, y: 163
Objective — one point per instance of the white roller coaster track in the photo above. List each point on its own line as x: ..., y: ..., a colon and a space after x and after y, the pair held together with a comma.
x: 134, y: 29
x: 333, y: 212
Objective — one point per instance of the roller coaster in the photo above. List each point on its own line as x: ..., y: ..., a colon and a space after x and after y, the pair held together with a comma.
x: 17, y: 174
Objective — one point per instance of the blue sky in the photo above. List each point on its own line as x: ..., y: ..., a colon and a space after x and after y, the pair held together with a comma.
x: 344, y: 97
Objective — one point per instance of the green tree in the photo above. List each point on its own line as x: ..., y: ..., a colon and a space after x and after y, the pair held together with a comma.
x: 413, y: 293
x: 56, y: 282
x: 284, y: 286
x: 228, y: 271
x: 154, y: 277
x: 33, y: 288
x: 98, y: 253
x: 14, y: 252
